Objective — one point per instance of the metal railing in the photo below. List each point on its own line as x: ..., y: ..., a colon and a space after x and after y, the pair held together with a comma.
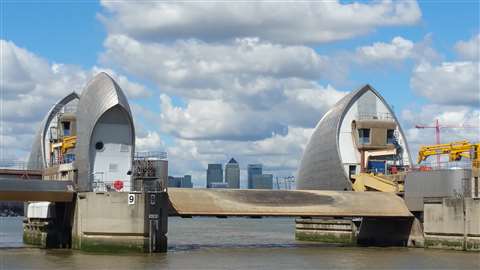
x: 375, y: 116
x: 13, y: 164
x: 445, y: 165
x: 150, y: 155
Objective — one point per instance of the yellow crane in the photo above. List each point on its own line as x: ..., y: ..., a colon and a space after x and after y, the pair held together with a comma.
x: 455, y: 151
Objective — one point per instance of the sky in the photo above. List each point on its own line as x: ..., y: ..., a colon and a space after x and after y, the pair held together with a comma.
x: 208, y: 81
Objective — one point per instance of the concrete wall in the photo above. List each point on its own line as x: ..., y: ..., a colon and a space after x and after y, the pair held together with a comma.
x: 108, y: 222
x: 436, y: 183
x: 336, y: 231
x: 452, y: 223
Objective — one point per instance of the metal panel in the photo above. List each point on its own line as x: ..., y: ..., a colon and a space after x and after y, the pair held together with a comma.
x: 238, y: 202
x: 101, y: 94
x: 36, y: 190
x: 436, y: 183
x: 37, y: 159
x: 321, y: 165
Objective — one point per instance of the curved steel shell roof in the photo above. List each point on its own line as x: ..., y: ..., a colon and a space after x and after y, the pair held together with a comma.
x: 321, y: 165
x: 101, y: 94
x: 38, y: 159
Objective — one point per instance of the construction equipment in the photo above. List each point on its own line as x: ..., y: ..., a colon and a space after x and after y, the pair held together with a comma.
x: 439, y: 126
x: 379, y: 182
x: 455, y: 151
x: 68, y: 143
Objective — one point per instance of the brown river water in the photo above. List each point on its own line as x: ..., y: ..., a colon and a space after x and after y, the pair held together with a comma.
x: 233, y: 243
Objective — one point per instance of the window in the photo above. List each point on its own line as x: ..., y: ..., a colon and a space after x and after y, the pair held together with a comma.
x: 99, y: 146
x: 66, y: 128
x: 390, y: 136
x: 364, y: 135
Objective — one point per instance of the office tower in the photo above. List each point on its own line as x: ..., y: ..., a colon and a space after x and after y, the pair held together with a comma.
x: 263, y: 181
x: 187, y: 181
x: 232, y: 174
x: 214, y: 174
x: 253, y: 169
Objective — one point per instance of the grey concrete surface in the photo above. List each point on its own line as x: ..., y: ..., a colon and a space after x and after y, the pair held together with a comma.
x: 310, y: 203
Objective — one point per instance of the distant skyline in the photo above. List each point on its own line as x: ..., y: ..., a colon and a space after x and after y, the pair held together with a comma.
x: 250, y: 80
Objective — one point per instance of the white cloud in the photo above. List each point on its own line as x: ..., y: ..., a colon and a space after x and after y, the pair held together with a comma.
x: 217, y: 119
x: 306, y: 22
x: 150, y: 142
x: 398, y: 49
x: 202, y: 70
x: 460, y: 122
x: 454, y: 83
x: 246, y: 89
x: 31, y: 85
x: 470, y: 49
x: 279, y: 154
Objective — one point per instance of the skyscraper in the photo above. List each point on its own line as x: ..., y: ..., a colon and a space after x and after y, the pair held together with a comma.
x: 253, y: 169
x: 214, y: 174
x: 180, y: 182
x: 263, y: 181
x: 232, y: 174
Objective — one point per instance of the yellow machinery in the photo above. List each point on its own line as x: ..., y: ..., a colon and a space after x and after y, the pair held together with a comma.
x: 68, y: 143
x: 454, y: 150
x: 379, y: 182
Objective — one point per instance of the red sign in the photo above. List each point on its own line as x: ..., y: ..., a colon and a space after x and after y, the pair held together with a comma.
x: 118, y: 185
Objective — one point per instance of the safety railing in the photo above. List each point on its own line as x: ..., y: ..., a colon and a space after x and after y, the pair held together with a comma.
x: 375, y: 116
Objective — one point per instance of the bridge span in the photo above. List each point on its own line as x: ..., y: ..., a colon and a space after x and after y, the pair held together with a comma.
x: 301, y: 203
x: 36, y: 190
x: 234, y: 202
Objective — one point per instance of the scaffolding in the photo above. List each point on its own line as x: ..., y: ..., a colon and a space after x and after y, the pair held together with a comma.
x: 150, y: 171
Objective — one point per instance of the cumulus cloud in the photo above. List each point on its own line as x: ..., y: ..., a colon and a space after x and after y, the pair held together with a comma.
x: 278, y: 153
x: 470, y: 49
x: 454, y: 83
x: 218, y: 119
x: 397, y: 50
x: 151, y: 141
x: 322, y: 21
x: 31, y: 85
x: 194, y: 68
x: 246, y: 89
x: 460, y: 122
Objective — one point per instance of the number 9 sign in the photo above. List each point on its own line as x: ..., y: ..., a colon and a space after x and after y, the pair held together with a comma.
x: 131, y: 199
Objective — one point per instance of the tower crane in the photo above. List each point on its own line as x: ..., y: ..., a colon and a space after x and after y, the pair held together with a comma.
x: 438, y: 127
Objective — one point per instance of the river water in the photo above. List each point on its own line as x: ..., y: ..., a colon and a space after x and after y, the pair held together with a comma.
x: 233, y: 243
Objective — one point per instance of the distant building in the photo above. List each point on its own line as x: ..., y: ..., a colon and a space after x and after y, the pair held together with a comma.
x: 214, y: 174
x: 253, y: 169
x: 180, y: 181
x: 232, y: 174
x: 218, y: 185
x: 263, y: 181
x: 187, y: 181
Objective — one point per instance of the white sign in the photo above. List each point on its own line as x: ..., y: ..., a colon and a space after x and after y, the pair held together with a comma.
x: 131, y: 198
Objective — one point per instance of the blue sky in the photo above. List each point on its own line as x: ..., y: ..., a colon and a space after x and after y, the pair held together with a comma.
x: 71, y: 33
x: 74, y: 35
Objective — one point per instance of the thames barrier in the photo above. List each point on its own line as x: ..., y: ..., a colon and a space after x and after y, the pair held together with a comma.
x: 356, y: 183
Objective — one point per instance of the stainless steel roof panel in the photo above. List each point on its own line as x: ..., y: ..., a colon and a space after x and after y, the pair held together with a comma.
x: 321, y: 165
x: 100, y: 95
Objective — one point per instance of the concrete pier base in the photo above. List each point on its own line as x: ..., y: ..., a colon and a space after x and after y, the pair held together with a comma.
x: 452, y: 223
x: 54, y: 231
x: 120, y: 222
x: 367, y: 232
x: 337, y: 231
